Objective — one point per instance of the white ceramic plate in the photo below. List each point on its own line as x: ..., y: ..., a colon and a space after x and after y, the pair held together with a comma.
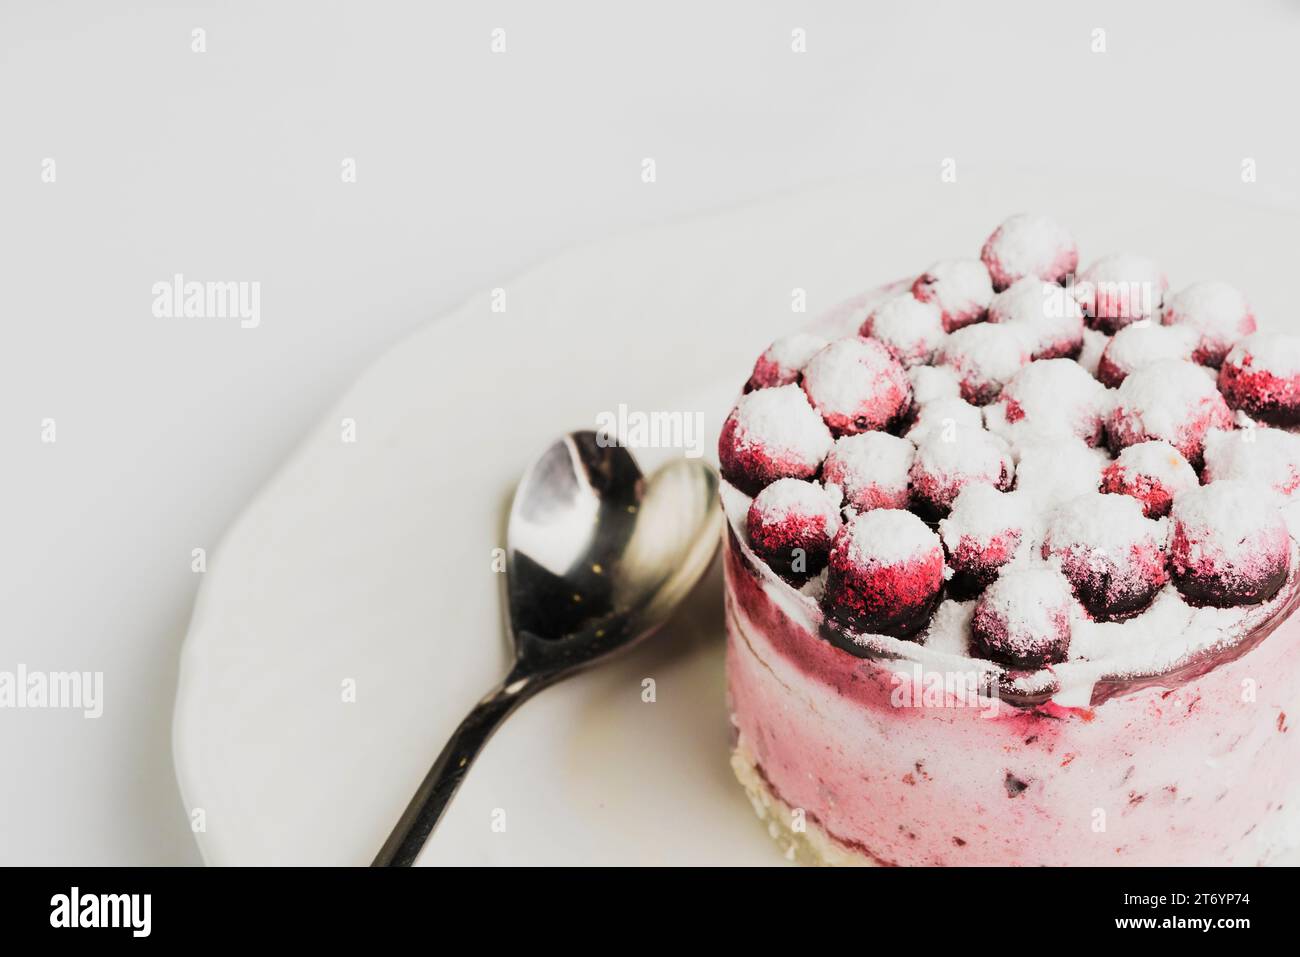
x: 369, y: 563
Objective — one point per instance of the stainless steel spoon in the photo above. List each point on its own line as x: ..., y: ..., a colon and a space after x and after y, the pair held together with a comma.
x: 598, y: 556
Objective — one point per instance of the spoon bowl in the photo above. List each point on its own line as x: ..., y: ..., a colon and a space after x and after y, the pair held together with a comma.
x: 598, y: 557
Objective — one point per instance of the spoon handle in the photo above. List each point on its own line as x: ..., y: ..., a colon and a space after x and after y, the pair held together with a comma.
x: 444, y: 778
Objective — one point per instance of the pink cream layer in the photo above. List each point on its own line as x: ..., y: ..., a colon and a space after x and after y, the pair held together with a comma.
x: 1205, y: 771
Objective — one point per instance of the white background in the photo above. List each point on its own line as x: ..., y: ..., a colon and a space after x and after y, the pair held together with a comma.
x: 471, y: 167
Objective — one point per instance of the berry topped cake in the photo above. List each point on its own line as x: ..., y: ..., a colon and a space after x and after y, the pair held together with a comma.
x: 1010, y: 567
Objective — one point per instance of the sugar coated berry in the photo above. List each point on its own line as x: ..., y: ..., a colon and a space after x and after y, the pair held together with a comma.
x: 910, y: 329
x: 1112, y: 554
x: 1138, y: 346
x: 1154, y: 473
x: 947, y: 463
x: 961, y: 288
x: 1170, y: 400
x: 985, y: 357
x: 1029, y: 245
x: 1261, y: 377
x: 933, y: 382
x: 791, y: 525
x: 985, y: 530
x: 1094, y: 344
x: 783, y: 360
x: 1268, y: 456
x: 1023, y: 619
x: 1118, y: 290
x: 885, y: 573
x: 1217, y: 312
x: 1047, y: 315
x: 857, y: 386
x: 871, y: 470
x: 772, y: 434
x: 1052, y: 470
x: 1050, y: 396
x: 944, y: 416
x: 1229, y: 544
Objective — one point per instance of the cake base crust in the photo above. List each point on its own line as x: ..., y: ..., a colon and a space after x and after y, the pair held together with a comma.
x: 801, y: 839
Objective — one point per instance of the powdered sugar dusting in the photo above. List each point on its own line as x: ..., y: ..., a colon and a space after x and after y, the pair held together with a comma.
x: 793, y: 351
x: 1161, y: 392
x: 795, y: 497
x: 871, y: 469
x: 1160, y: 460
x: 1154, y: 473
x: 1270, y: 456
x: 1094, y: 344
x: 857, y: 385
x: 1044, y: 311
x: 1029, y: 245
x: 982, y: 513
x: 912, y: 330
x: 1153, y: 640
x: 889, y: 536
x: 945, y: 416
x: 1050, y: 396
x: 949, y: 630
x: 961, y: 288
x: 1051, y: 472
x: 1112, y: 554
x: 933, y: 382
x: 1108, y: 524
x: 1231, y: 514
x: 783, y: 422
x: 1171, y: 400
x: 1142, y: 344
x: 945, y: 464
x: 985, y: 357
x: 1122, y: 286
x: 1029, y: 604
x: 1275, y: 352
x: 1218, y: 312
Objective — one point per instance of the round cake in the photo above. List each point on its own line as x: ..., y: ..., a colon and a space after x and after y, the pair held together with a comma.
x: 1010, y: 568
